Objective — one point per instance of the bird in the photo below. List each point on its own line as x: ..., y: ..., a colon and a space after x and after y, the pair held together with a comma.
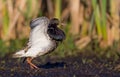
x: 44, y: 38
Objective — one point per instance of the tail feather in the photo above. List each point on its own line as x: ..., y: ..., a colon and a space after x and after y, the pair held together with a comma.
x: 19, y: 54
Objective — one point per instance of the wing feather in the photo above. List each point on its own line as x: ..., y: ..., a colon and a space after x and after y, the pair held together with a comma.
x: 56, y: 33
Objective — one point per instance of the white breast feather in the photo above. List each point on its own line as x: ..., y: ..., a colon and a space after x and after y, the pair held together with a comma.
x: 39, y: 42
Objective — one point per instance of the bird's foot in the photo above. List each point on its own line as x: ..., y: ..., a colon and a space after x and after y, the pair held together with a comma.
x: 32, y: 66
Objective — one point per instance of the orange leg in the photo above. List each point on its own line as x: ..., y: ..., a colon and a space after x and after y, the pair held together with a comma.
x: 29, y: 59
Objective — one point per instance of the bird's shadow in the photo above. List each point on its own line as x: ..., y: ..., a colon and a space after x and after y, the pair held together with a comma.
x: 49, y: 65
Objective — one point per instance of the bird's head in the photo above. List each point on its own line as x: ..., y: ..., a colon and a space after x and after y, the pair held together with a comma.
x: 54, y: 31
x: 54, y: 22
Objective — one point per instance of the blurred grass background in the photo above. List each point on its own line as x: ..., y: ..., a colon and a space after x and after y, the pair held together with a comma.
x: 91, y: 25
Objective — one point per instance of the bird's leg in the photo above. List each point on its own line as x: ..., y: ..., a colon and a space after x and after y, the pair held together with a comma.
x: 29, y: 59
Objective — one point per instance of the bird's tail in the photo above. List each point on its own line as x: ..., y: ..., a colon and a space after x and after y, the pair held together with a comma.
x: 19, y: 54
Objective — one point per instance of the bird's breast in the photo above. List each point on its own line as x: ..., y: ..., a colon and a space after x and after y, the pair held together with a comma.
x: 40, y: 41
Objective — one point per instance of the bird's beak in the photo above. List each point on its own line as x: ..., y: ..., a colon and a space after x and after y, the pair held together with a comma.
x: 61, y: 24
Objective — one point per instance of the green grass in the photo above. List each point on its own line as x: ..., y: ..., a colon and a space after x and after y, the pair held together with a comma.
x: 58, y: 8
x: 5, y: 21
x: 100, y: 18
x: 66, y: 48
x: 11, y: 46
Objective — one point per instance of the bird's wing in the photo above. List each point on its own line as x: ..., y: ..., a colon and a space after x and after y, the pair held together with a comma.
x: 37, y: 21
x: 56, y: 34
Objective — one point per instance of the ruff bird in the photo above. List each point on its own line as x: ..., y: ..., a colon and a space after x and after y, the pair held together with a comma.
x: 44, y: 38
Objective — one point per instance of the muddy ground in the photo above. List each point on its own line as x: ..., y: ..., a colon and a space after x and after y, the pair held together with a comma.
x: 71, y: 66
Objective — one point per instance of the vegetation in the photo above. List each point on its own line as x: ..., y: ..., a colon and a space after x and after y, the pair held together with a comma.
x: 90, y: 24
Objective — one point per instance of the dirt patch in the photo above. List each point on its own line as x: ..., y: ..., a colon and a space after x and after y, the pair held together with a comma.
x: 72, y: 66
